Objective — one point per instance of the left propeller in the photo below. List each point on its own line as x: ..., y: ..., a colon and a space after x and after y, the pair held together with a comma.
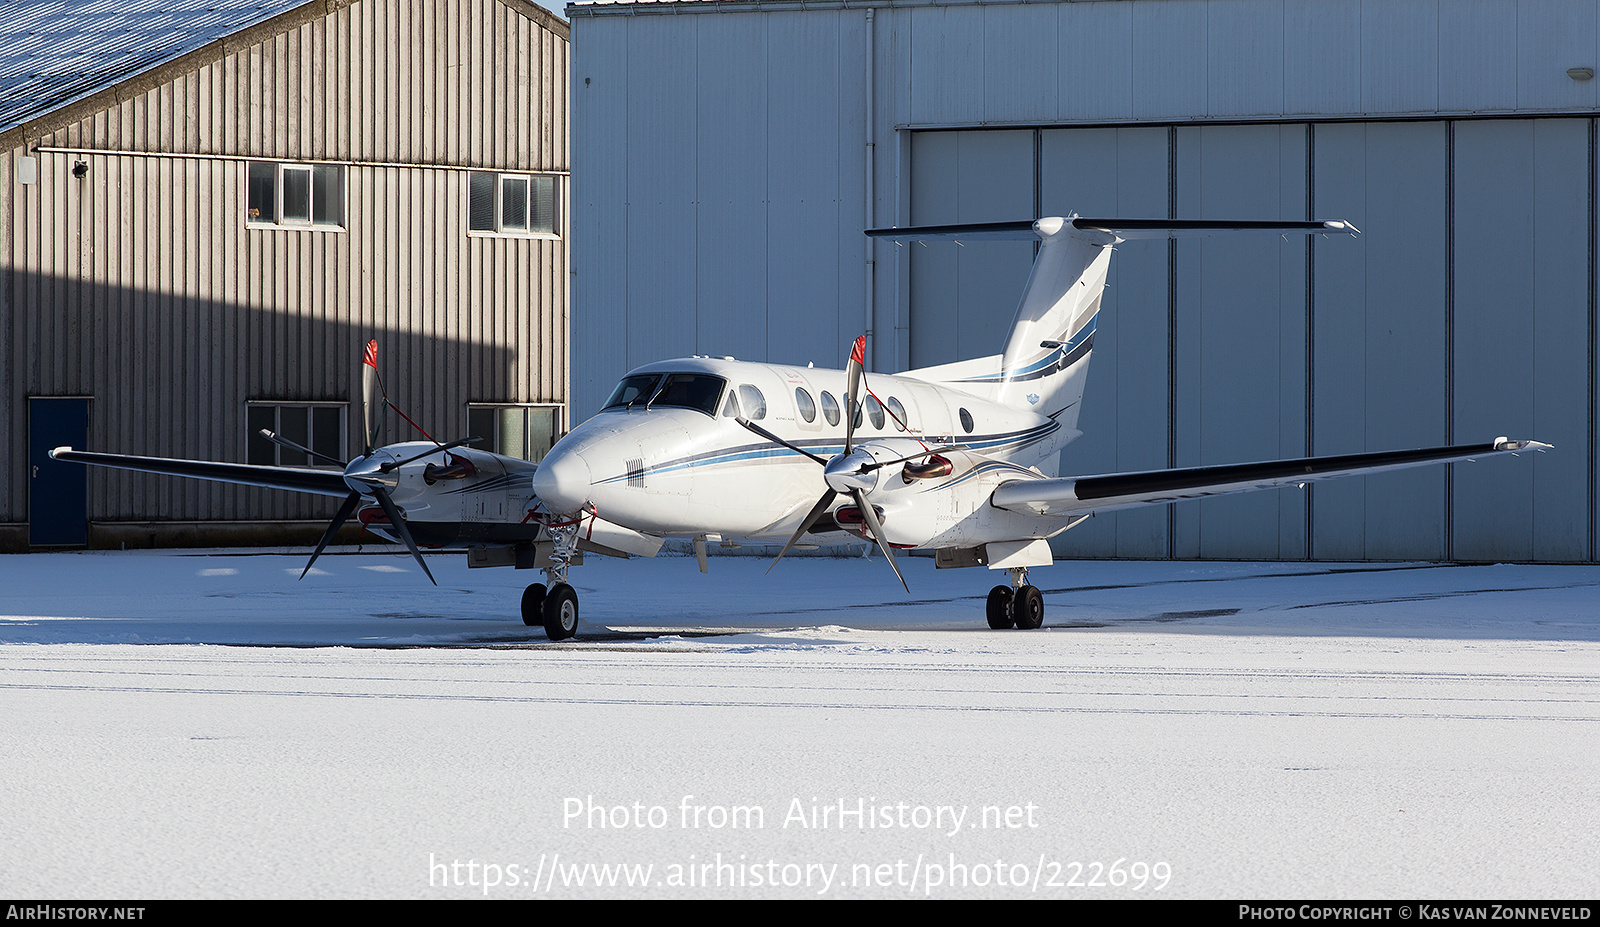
x: 367, y: 477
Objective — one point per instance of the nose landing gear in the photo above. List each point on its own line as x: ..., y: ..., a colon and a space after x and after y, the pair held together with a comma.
x: 556, y: 607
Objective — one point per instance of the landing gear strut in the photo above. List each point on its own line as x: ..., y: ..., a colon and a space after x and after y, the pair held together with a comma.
x: 1016, y: 606
x: 557, y: 607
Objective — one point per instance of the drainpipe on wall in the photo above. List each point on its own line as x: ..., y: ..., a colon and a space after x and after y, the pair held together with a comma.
x: 869, y: 310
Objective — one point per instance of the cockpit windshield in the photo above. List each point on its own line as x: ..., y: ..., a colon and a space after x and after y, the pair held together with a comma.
x: 685, y: 390
x: 635, y: 389
x: 691, y: 391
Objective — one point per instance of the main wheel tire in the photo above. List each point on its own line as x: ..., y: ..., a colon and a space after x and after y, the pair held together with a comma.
x: 999, y: 609
x: 561, y: 612
x: 1027, y: 608
x: 533, y: 605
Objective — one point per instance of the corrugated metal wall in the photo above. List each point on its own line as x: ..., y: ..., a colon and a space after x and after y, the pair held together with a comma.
x: 141, y: 286
x: 1465, y: 311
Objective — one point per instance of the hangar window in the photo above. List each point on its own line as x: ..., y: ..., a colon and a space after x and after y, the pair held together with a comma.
x: 515, y: 431
x: 304, y: 195
x: 526, y: 205
x: 317, y: 426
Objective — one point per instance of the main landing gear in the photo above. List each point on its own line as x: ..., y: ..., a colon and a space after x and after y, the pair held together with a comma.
x: 1018, y: 605
x: 556, y: 607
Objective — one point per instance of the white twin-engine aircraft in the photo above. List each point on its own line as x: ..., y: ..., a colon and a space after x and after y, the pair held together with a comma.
x: 958, y: 459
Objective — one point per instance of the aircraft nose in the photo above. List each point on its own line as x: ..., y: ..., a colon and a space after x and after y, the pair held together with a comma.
x: 562, y: 482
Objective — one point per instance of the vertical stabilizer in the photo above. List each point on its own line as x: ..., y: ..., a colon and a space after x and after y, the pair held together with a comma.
x: 1046, y: 355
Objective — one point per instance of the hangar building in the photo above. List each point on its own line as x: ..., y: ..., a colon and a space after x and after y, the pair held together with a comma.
x: 211, y: 205
x: 727, y: 156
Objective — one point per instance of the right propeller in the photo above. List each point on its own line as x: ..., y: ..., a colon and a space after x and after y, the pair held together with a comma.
x: 852, y: 472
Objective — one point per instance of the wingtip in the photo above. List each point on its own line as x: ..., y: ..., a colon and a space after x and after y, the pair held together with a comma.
x: 1503, y: 443
x: 56, y: 450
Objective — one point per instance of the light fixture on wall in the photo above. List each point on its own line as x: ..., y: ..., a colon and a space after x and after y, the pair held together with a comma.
x: 80, y: 170
x: 1580, y: 73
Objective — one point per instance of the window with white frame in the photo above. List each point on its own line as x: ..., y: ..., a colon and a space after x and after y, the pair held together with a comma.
x: 316, y: 426
x: 525, y: 431
x: 513, y: 204
x: 304, y: 195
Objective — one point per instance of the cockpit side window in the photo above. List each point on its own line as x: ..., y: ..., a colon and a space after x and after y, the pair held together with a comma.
x: 755, y: 404
x: 633, y: 389
x: 691, y: 391
x: 730, y: 407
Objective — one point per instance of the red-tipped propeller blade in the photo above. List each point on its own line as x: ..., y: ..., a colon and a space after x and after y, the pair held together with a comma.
x: 369, y: 392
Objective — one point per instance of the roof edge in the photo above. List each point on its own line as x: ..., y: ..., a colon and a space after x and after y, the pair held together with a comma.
x: 156, y: 75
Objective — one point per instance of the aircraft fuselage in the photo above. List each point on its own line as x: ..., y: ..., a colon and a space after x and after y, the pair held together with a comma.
x: 689, y: 469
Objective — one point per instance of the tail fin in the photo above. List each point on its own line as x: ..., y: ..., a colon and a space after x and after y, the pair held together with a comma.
x: 1046, y: 357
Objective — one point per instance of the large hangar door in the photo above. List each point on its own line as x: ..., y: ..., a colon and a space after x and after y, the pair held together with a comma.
x: 1463, y: 311
x: 1521, y: 335
x: 1118, y: 172
x: 1381, y: 336
x: 1239, y: 335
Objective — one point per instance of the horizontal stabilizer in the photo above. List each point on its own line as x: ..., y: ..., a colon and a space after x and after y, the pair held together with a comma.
x: 299, y: 479
x: 978, y: 231
x: 1078, y: 495
x: 1194, y: 228
x: 1121, y: 228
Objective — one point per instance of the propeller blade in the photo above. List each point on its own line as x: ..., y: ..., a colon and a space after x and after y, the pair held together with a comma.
x: 858, y: 353
x: 281, y: 441
x: 871, y: 518
x: 345, y: 510
x: 399, y: 523
x: 369, y: 393
x: 805, y: 525
x: 777, y: 440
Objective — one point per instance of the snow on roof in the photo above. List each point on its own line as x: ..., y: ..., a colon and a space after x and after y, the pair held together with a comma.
x: 53, y: 52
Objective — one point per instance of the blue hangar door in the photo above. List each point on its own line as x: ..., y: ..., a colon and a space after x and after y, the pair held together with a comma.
x: 58, y: 492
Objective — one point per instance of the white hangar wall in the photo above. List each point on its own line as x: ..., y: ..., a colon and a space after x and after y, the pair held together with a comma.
x: 727, y: 156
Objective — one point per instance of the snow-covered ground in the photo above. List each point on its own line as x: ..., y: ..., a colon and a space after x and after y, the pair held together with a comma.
x: 1224, y: 730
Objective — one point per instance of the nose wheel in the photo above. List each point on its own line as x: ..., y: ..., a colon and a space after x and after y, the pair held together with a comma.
x: 556, y: 609
x: 533, y: 605
x: 561, y: 612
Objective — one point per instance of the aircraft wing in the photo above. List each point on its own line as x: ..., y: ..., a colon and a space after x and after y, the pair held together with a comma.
x: 300, y: 479
x: 1085, y: 494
